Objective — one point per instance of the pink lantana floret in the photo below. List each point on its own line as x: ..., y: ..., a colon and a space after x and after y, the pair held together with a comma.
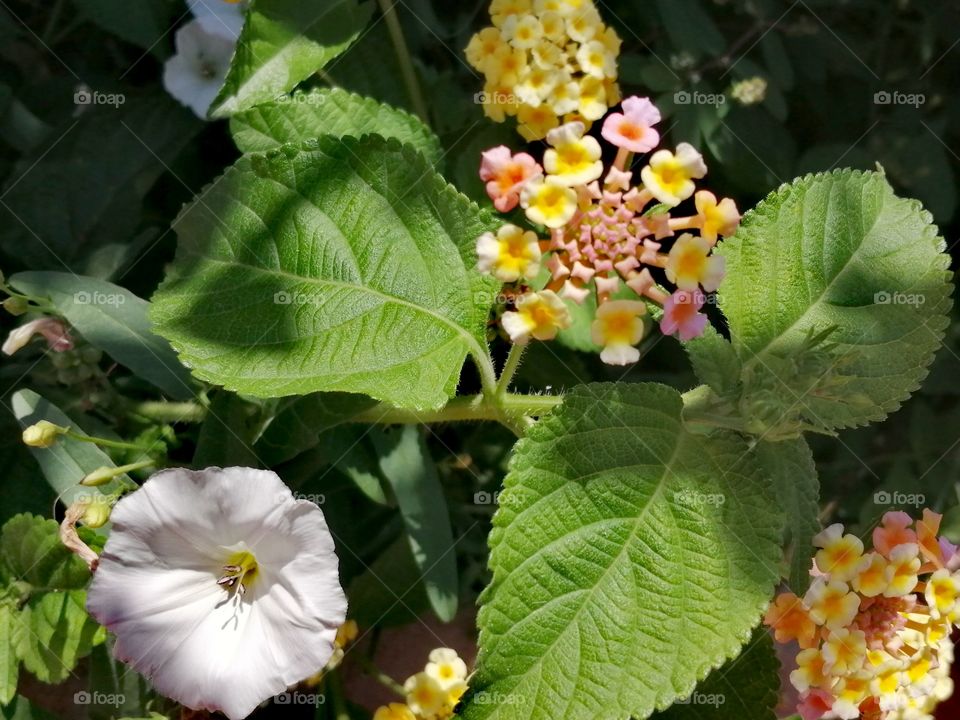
x: 632, y: 129
x: 505, y: 175
x: 682, y: 316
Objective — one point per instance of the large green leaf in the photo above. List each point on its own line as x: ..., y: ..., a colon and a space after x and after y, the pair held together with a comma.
x: 66, y: 462
x: 630, y: 558
x: 746, y: 687
x: 837, y: 296
x: 283, y: 43
x: 406, y: 464
x: 115, y: 320
x: 84, y: 192
x: 328, y: 111
x: 345, y: 265
x: 299, y: 422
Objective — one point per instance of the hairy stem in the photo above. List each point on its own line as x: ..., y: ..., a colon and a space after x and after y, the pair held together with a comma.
x: 510, y: 368
x: 506, y: 409
x: 169, y: 411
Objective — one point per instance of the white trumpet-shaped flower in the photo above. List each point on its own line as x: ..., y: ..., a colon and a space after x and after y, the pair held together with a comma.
x: 196, y: 73
x: 221, y: 588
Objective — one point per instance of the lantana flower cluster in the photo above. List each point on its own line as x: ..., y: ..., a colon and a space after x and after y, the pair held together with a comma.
x: 544, y: 60
x: 874, y: 627
x: 607, y: 229
x: 433, y: 693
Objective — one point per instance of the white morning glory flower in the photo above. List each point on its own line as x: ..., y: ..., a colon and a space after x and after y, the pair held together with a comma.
x: 221, y: 588
x: 220, y: 16
x: 196, y: 73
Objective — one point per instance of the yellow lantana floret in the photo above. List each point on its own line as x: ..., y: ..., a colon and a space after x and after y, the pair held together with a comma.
x: 539, y: 315
x: 903, y: 570
x: 548, y: 202
x: 424, y: 695
x: 447, y: 668
x: 572, y: 159
x: 943, y: 594
x: 831, y: 603
x: 617, y: 328
x: 394, y: 711
x: 669, y: 176
x: 839, y: 555
x: 690, y: 265
x: 509, y: 255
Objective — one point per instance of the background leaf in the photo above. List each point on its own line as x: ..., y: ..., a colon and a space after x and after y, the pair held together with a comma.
x: 623, y: 569
x: 746, y: 687
x: 65, y: 463
x: 114, y: 320
x: 344, y: 266
x: 406, y: 464
x: 284, y: 42
x: 328, y: 111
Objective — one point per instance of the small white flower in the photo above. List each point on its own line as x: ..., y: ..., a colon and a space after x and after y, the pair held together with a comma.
x: 220, y: 16
x: 221, y: 588
x: 196, y: 73
x: 52, y: 329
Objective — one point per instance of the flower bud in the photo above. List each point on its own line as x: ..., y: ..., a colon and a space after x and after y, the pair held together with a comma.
x: 15, y: 306
x: 42, y: 434
x: 101, y: 476
x: 96, y: 513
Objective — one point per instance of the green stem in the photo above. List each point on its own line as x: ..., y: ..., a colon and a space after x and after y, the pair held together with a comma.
x: 407, y: 70
x: 472, y: 408
x: 104, y: 442
x: 510, y: 368
x: 169, y: 411
x: 381, y: 677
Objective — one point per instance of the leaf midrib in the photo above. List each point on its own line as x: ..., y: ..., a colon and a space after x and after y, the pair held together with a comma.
x: 473, y: 344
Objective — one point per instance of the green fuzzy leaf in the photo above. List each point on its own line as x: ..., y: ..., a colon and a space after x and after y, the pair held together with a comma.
x: 714, y: 361
x: 30, y: 547
x: 58, y: 633
x: 114, y: 320
x: 66, y: 462
x: 10, y: 631
x: 837, y: 296
x: 406, y: 464
x: 329, y: 111
x: 342, y: 266
x: 283, y: 43
x: 746, y: 687
x: 789, y: 465
x: 623, y: 571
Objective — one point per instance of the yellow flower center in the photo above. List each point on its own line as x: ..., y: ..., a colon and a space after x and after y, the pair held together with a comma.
x: 240, y: 571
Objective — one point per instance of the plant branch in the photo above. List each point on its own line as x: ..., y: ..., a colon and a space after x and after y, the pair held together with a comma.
x: 406, y: 62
